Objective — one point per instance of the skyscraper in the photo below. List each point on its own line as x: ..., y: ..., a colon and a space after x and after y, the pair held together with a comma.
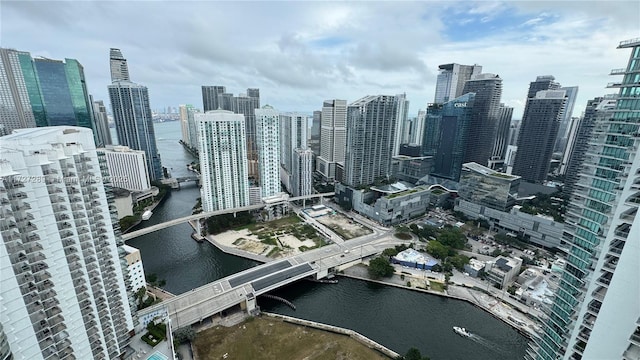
x: 134, y: 124
x: 502, y: 136
x: 63, y: 282
x: 119, y: 68
x: 543, y: 82
x: 595, y: 313
x: 132, y: 114
x: 447, y: 127
x: 485, y: 117
x: 371, y: 129
x: 333, y: 136
x: 216, y: 97
x: 417, y: 132
x: 223, y: 160
x: 100, y: 123
x: 268, y: 141
x: 538, y: 132
x: 314, y: 136
x: 16, y: 85
x: 574, y: 156
x: 450, y: 83
x: 302, y: 174
x: 565, y: 123
x: 402, y: 124
x: 184, y: 123
x: 293, y: 135
x: 45, y: 91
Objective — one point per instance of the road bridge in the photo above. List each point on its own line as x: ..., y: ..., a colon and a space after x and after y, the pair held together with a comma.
x: 204, y: 215
x: 243, y: 288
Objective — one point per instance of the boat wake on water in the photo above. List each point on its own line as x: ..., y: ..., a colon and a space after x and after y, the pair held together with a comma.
x: 488, y: 343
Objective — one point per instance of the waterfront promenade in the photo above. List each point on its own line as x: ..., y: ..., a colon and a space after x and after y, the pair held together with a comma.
x: 492, y: 305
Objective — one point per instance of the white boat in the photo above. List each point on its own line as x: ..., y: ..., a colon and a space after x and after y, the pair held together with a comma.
x: 147, y: 215
x: 461, y: 331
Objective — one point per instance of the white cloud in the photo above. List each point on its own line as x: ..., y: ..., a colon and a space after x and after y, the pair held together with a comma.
x: 301, y: 53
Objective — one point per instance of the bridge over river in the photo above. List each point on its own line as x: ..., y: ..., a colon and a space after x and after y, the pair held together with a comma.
x: 243, y: 288
x: 204, y: 215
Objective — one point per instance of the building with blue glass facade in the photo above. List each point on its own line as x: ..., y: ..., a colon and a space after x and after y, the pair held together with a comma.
x: 134, y: 125
x: 596, y: 310
x: 43, y: 92
x: 446, y: 132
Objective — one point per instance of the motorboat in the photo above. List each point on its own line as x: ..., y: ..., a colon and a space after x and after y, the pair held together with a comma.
x: 461, y: 331
x: 147, y: 215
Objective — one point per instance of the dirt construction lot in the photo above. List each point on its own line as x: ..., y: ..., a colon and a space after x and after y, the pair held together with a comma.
x: 341, y: 225
x: 266, y: 338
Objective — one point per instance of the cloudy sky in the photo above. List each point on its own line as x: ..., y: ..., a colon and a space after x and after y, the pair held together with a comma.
x: 301, y: 53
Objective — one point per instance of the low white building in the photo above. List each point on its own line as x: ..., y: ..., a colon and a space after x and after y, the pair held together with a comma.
x: 134, y: 268
x: 503, y: 270
x: 127, y: 167
x: 474, y: 267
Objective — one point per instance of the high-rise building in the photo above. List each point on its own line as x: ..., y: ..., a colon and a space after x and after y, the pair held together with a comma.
x: 481, y: 141
x: 314, y: 134
x: 565, y: 123
x: 134, y: 124
x: 43, y: 91
x: 417, y: 132
x: 118, y: 64
x: 184, y: 123
x: 188, y: 126
x: 16, y: 88
x: 447, y: 127
x: 211, y: 98
x: 268, y: 141
x: 101, y: 123
x: 64, y: 92
x: 487, y: 187
x: 402, y: 123
x: 502, y: 137
x: 223, y: 160
x: 543, y: 82
x: 63, y: 285
x: 451, y: 80
x: 293, y: 135
x: 302, y: 175
x: 371, y: 129
x: 127, y: 168
x: 135, y: 269
x: 216, y: 97
x: 333, y: 136
x: 538, y: 132
x: 595, y: 313
x: 575, y: 154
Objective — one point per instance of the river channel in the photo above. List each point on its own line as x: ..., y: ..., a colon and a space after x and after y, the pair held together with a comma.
x: 396, y: 318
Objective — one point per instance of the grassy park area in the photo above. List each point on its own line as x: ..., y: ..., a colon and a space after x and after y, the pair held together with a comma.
x: 267, y: 338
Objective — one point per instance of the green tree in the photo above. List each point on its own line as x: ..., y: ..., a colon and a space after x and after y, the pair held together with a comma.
x: 437, y: 249
x: 184, y: 334
x: 414, y: 354
x: 459, y: 261
x: 380, y: 267
x: 452, y: 237
x: 390, y: 252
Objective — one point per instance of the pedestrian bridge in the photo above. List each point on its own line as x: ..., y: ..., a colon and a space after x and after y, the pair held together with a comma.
x: 243, y: 288
x: 204, y: 215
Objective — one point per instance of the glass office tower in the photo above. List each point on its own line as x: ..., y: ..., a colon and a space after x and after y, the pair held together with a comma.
x: 596, y: 311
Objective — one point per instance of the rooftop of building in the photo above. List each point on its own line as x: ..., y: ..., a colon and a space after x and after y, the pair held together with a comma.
x: 413, y: 256
x: 506, y: 264
x: 489, y: 172
x: 476, y: 264
x: 129, y: 249
x: 394, y: 188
